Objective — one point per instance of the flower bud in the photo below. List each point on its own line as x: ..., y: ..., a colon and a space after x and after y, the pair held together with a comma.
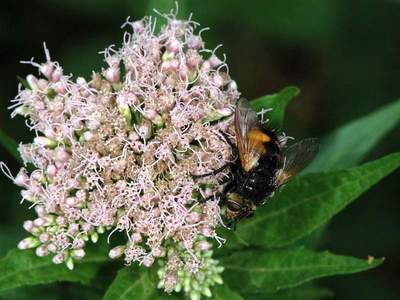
x: 214, y: 61
x: 43, y: 85
x: 32, y: 81
x: 138, y: 27
x: 47, y: 69
x: 136, y: 237
x: 73, y: 228
x: 170, y: 281
x: 72, y: 201
x: 40, y: 210
x: 195, y: 42
x: 144, y: 130
x: 59, y: 258
x: 28, y: 243
x: 94, y: 237
x: 78, y: 253
x: 116, y: 252
x: 218, y: 80
x: 51, y: 171
x: 167, y: 56
x: 88, y: 136
x: 60, y: 87
x: 233, y: 85
x: 70, y: 263
x: 56, y: 75
x: 22, y: 178
x: 52, y: 247
x: 62, y: 155
x: 50, y: 133
x: 112, y: 74
x: 61, y: 220
x: 148, y: 261
x: 124, y: 108
x: 45, y: 142
x: 174, y: 45
x: 203, y: 246
x: 28, y: 225
x: 44, y: 237
x: 42, y: 251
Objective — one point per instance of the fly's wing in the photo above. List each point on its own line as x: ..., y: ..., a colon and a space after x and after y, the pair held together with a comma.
x: 249, y: 136
x: 297, y: 157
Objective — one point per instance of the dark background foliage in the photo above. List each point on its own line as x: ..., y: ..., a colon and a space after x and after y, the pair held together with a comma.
x: 344, y: 56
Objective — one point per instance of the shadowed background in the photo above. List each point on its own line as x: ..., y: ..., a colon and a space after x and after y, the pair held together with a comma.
x: 344, y: 56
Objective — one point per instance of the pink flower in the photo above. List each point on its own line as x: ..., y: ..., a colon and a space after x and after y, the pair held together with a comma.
x: 118, y: 151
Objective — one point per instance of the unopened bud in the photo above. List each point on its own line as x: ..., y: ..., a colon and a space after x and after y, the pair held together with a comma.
x: 45, y: 142
x: 22, y: 178
x: 78, y: 253
x: 124, y: 109
x: 148, y: 261
x: 57, y: 74
x: 94, y: 237
x: 52, y: 248
x: 59, y: 258
x: 174, y: 45
x: 28, y: 225
x: 203, y: 246
x: 116, y: 252
x: 214, y: 61
x: 47, y: 69
x: 62, y: 155
x: 112, y: 74
x: 70, y: 263
x: 32, y: 81
x: 40, y: 210
x: 28, y: 243
x: 136, y: 237
x: 144, y: 130
x: 42, y: 251
x: 51, y: 171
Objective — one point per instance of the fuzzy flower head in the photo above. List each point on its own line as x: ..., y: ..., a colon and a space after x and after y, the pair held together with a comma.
x: 117, y: 152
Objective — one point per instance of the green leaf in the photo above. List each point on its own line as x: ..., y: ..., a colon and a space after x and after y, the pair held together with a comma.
x: 21, y: 268
x: 309, y: 201
x: 24, y: 83
x: 135, y: 283
x: 349, y: 144
x: 260, y: 271
x: 304, y: 292
x: 277, y: 102
x: 10, y: 145
x: 223, y: 292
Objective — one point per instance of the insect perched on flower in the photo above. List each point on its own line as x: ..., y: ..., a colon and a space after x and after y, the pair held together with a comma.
x: 261, y: 164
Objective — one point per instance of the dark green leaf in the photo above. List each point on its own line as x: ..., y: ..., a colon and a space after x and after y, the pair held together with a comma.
x: 271, y: 271
x: 304, y: 292
x: 223, y: 292
x: 309, y: 201
x: 135, y: 283
x: 277, y: 102
x: 349, y: 144
x: 20, y: 268
x: 24, y: 83
x: 10, y: 145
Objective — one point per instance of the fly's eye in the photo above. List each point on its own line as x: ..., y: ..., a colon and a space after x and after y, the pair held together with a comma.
x: 233, y: 206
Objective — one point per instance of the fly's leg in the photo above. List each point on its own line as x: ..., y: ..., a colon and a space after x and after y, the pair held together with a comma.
x: 215, y: 172
x: 221, y: 195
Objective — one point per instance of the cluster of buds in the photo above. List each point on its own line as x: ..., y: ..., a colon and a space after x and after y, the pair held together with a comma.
x: 118, y: 153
